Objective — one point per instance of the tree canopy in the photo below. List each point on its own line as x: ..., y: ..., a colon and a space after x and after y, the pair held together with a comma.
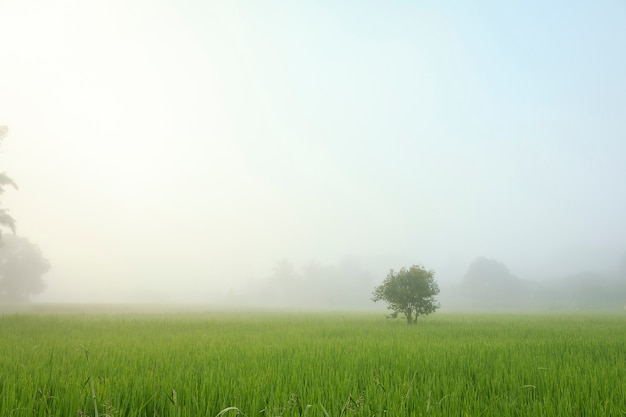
x: 5, y: 219
x: 21, y: 269
x: 21, y: 262
x: 410, y: 292
x: 345, y: 284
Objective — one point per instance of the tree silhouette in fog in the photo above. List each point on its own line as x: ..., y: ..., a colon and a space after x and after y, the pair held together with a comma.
x: 21, y: 269
x: 5, y: 219
x: 21, y: 263
x: 490, y: 275
x: 314, y: 285
x: 489, y: 283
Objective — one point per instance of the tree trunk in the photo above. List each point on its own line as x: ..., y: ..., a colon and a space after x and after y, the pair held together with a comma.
x: 409, y: 316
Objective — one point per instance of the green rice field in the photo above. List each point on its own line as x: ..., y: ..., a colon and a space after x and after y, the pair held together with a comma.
x: 311, y: 364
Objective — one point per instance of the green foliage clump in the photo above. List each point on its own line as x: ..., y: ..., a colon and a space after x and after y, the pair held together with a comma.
x: 410, y: 292
x: 5, y: 218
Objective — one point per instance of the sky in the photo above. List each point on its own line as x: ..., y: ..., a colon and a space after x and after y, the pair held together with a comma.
x: 177, y: 150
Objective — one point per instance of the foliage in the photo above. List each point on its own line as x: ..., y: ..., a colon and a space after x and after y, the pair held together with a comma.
x: 21, y: 262
x: 21, y: 269
x: 490, y: 275
x: 5, y: 219
x: 410, y: 292
x: 344, y: 285
x: 192, y: 364
x: 489, y: 285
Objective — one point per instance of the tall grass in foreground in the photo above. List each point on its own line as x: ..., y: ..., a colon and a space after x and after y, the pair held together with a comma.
x: 313, y: 365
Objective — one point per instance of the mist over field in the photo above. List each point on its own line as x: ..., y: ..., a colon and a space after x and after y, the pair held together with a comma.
x: 290, y: 154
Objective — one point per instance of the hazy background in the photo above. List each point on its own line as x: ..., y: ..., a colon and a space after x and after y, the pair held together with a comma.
x: 173, y: 151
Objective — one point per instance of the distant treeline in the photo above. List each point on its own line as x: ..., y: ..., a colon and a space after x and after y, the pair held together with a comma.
x: 345, y: 285
x: 488, y: 284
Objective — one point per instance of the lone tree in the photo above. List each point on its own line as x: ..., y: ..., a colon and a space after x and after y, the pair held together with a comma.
x: 410, y: 292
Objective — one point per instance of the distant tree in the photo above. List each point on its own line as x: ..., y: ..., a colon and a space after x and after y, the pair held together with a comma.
x: 491, y: 280
x: 410, y: 292
x: 5, y: 219
x: 284, y: 271
x: 489, y: 284
x: 21, y: 269
x: 489, y: 274
x: 343, y: 285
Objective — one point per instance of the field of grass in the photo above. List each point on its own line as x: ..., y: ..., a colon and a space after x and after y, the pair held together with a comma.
x: 271, y: 364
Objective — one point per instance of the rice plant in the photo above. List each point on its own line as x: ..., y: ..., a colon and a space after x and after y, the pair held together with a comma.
x: 326, y: 365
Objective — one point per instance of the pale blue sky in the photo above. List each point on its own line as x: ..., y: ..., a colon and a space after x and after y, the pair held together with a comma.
x: 208, y: 140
